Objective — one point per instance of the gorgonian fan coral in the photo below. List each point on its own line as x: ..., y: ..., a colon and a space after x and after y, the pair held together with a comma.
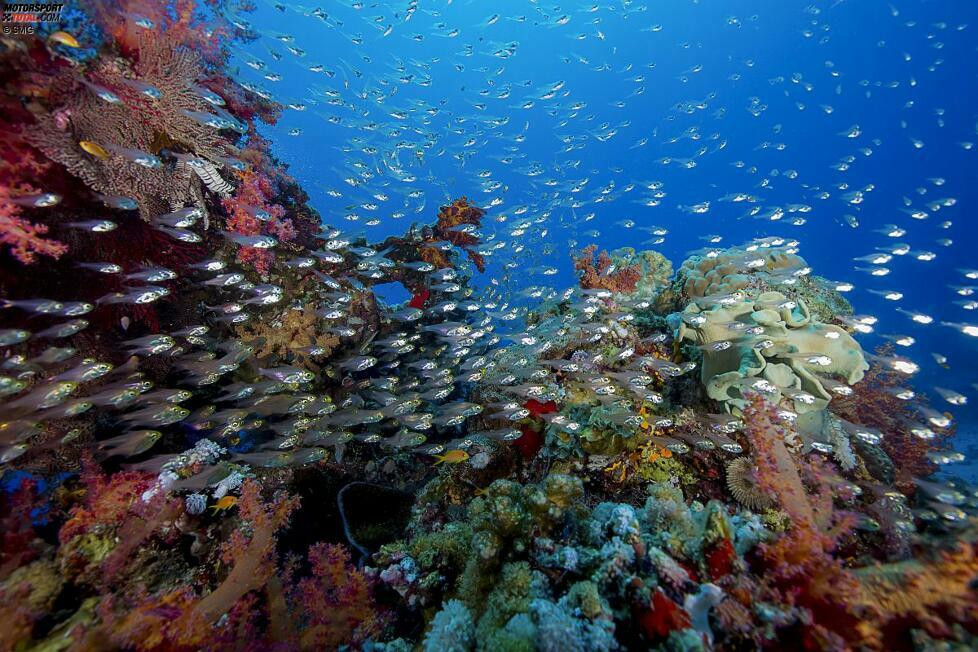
x: 193, y: 24
x: 597, y: 273
x: 136, y: 127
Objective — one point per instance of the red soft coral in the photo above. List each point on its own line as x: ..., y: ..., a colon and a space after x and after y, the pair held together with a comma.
x: 594, y: 272
x: 874, y: 403
x: 662, y: 617
x: 452, y: 216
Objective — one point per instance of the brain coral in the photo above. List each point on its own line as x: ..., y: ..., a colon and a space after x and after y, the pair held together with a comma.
x: 771, y: 338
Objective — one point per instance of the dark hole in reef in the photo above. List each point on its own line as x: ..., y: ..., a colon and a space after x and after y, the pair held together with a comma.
x: 392, y: 293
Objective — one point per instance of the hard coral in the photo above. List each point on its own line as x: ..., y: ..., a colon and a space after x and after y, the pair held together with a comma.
x: 597, y: 273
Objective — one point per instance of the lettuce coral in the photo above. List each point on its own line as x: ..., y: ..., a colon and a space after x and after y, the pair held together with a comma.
x: 791, y: 355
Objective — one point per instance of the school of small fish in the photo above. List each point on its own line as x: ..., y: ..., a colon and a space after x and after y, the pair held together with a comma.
x: 394, y: 128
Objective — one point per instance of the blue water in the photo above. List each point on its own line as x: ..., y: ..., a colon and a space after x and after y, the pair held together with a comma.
x: 899, y: 71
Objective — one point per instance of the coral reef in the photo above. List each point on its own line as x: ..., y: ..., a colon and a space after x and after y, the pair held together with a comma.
x: 208, y: 442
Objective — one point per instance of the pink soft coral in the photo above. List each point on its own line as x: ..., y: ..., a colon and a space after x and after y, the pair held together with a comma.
x: 799, y: 567
x: 24, y: 238
x: 335, y: 600
x: 254, y: 194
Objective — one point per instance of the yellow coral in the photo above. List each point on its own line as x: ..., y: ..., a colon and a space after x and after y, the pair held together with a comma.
x: 915, y: 589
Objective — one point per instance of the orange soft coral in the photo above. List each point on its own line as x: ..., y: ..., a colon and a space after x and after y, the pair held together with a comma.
x: 930, y: 593
x: 450, y: 218
x: 596, y: 273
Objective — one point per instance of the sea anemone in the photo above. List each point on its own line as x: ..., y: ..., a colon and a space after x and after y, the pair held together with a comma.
x: 740, y: 482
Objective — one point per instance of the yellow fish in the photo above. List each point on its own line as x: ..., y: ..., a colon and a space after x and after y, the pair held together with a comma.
x: 224, y: 504
x: 452, y: 457
x: 64, y: 38
x: 94, y: 149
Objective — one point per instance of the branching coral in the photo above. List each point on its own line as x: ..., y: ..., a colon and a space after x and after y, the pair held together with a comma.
x: 597, y: 272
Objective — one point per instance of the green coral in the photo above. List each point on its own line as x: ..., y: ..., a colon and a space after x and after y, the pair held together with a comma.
x: 510, y: 597
x: 665, y: 469
x: 43, y: 581
x: 602, y: 430
x: 785, y: 357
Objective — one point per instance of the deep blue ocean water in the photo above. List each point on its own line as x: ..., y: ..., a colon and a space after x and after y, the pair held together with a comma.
x: 774, y: 85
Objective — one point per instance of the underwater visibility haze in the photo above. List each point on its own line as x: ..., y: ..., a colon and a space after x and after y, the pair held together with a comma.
x: 452, y: 325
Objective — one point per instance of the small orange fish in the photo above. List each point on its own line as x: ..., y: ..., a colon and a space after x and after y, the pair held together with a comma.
x: 452, y: 457
x: 64, y: 38
x: 94, y: 149
x: 224, y: 504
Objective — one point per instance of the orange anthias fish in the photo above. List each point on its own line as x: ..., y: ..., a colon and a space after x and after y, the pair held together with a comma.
x: 452, y: 457
x: 224, y: 504
x: 94, y: 149
x: 64, y: 38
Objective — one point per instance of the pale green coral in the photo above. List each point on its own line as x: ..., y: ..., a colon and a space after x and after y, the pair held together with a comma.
x: 510, y: 597
x: 786, y: 356
x: 452, y: 629
x: 665, y: 469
